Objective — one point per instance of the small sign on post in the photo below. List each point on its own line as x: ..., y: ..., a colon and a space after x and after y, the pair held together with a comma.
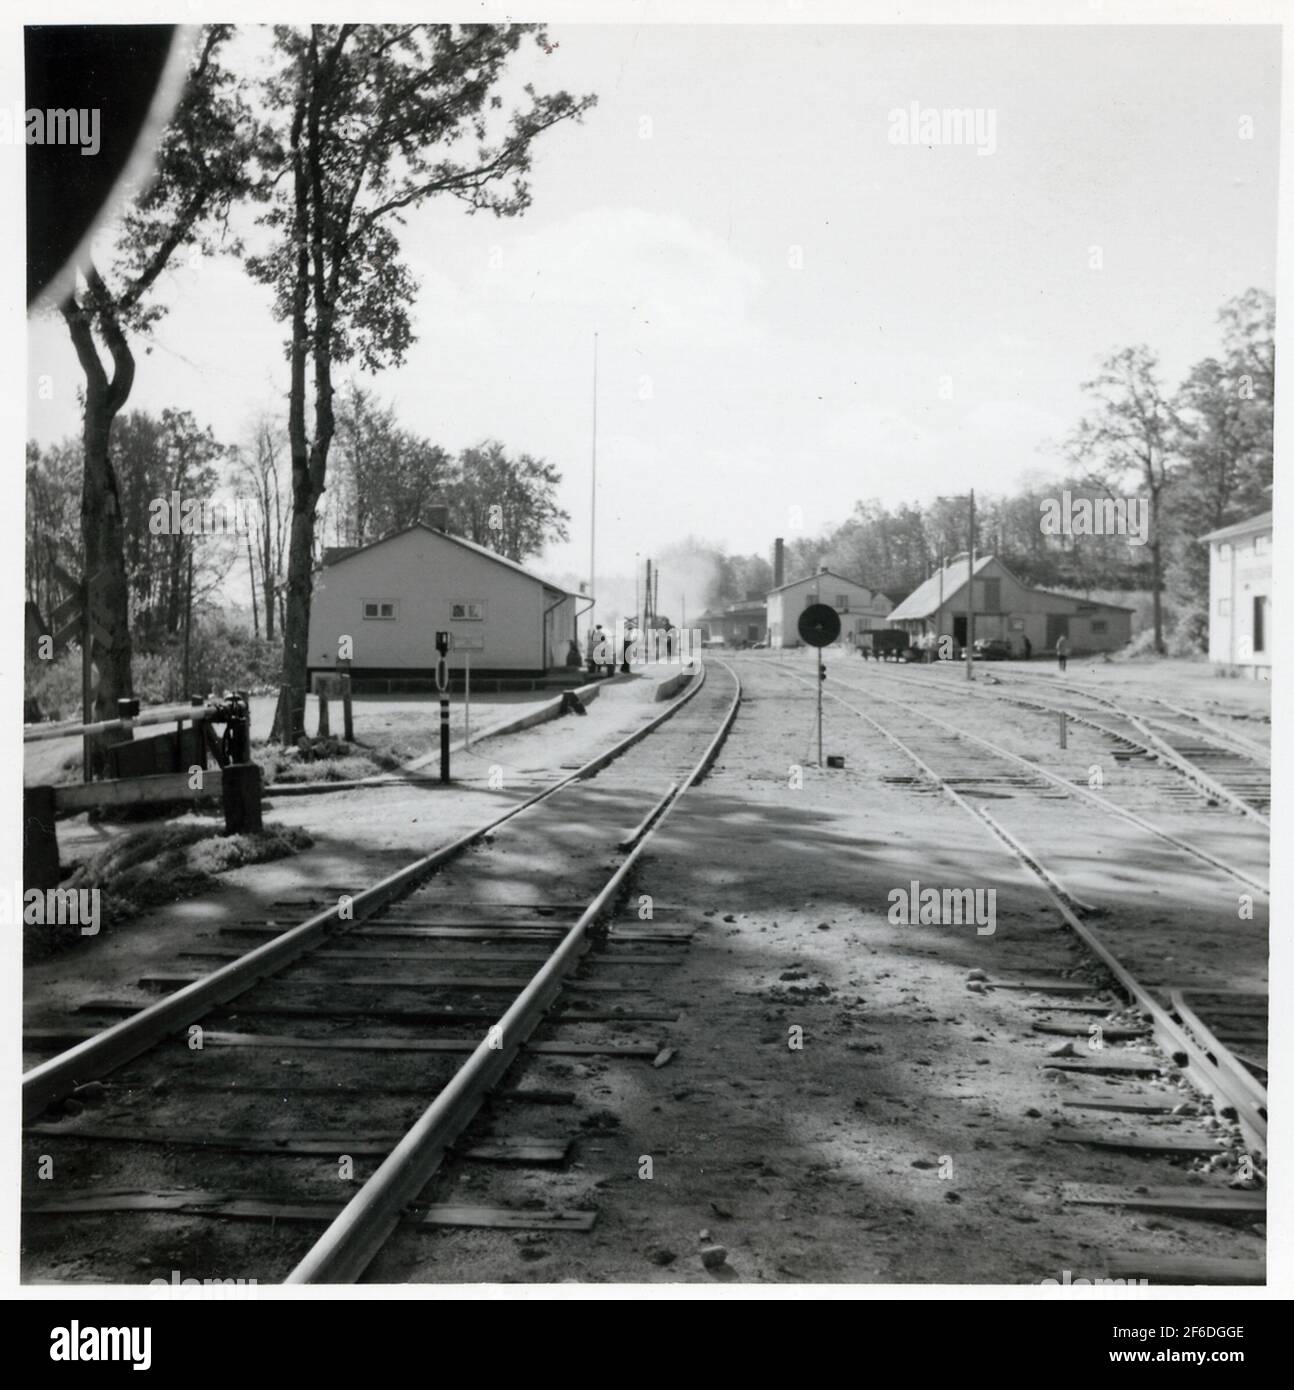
x: 443, y: 643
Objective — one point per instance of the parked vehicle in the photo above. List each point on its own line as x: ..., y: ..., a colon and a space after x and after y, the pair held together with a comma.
x: 892, y: 644
x: 992, y: 649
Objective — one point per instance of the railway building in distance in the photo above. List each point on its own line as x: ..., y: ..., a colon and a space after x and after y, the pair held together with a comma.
x: 392, y: 596
x: 1240, y: 589
x: 742, y: 624
x: 862, y: 610
x: 1007, y: 608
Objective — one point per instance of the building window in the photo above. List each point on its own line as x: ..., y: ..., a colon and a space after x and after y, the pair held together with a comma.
x: 992, y: 594
x: 842, y: 603
x: 1224, y: 608
x: 380, y: 609
x: 1099, y: 625
x: 467, y: 613
x: 810, y: 600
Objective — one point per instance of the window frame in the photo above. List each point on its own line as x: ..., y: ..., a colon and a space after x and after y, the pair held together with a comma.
x: 455, y: 616
x: 379, y: 604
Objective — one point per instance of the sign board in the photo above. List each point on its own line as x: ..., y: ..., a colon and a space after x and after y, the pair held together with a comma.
x: 819, y: 625
x: 464, y: 643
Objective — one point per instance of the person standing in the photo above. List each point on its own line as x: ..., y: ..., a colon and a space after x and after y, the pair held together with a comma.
x: 1028, y: 647
x: 1062, y: 651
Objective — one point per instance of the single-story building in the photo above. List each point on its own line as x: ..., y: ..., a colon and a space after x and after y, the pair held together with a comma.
x: 1240, y: 595
x: 1008, y: 608
x: 737, y: 625
x: 861, y: 609
x: 392, y: 596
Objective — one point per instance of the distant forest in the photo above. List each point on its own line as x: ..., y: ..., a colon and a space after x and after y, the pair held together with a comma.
x: 1198, y: 454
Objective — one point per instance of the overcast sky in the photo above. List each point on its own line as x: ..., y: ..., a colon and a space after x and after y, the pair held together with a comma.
x: 778, y: 288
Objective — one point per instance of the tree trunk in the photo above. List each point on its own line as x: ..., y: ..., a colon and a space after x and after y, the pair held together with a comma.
x: 289, y: 724
x: 267, y: 577
x: 251, y: 579
x: 102, y: 534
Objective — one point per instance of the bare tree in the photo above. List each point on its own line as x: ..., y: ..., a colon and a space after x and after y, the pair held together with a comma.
x: 1128, y: 438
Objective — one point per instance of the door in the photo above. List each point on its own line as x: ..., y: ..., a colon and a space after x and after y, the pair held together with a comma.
x: 959, y: 629
x: 1057, y: 627
x: 1260, y: 624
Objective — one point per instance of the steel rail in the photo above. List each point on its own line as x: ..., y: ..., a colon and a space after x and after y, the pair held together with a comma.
x: 1239, y: 743
x: 1239, y: 1080
x: 349, y: 1245
x: 1159, y: 747
x: 1171, y: 1035
x: 1086, y: 793
x: 58, y: 1076
x: 1150, y: 743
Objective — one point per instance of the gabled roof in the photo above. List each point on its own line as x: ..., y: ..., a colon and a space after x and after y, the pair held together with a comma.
x: 924, y: 599
x: 332, y: 559
x: 1261, y: 522
x: 828, y: 574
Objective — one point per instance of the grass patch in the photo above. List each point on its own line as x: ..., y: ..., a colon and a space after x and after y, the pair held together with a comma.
x: 332, y: 760
x: 160, y: 864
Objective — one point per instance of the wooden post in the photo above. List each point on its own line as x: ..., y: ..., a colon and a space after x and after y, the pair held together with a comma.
x: 200, y: 730
x: 347, y: 715
x: 240, y: 795
x: 467, y: 699
x: 39, y: 840
x: 87, y: 684
x: 322, y: 696
x: 1064, y: 729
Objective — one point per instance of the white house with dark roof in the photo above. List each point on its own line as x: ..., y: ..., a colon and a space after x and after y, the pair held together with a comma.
x: 391, y: 598
x: 861, y: 609
x: 1006, y: 607
x: 1240, y: 595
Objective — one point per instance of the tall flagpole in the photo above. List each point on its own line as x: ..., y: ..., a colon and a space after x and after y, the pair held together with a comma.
x: 593, y: 491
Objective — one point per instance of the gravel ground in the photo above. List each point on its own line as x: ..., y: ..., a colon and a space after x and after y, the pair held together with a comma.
x: 846, y: 1100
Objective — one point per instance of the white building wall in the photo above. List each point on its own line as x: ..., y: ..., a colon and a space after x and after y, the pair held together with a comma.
x: 864, y: 610
x: 1240, y: 573
x: 424, y: 575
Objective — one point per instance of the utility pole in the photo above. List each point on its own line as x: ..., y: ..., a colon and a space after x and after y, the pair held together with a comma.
x: 970, y: 596
x: 593, y: 494
x: 188, y: 622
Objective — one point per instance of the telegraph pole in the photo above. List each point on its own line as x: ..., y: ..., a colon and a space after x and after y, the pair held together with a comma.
x: 593, y: 493
x: 970, y: 596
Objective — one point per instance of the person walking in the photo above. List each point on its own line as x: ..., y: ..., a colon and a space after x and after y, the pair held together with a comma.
x: 596, y: 638
x: 1062, y: 651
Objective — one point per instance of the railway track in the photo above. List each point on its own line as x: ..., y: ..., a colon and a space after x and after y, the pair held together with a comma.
x: 392, y: 1030
x: 1028, y: 773
x: 1215, y: 1040
x: 1225, y: 770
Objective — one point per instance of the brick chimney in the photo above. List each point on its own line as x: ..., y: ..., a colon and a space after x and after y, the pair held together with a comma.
x: 779, y: 563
